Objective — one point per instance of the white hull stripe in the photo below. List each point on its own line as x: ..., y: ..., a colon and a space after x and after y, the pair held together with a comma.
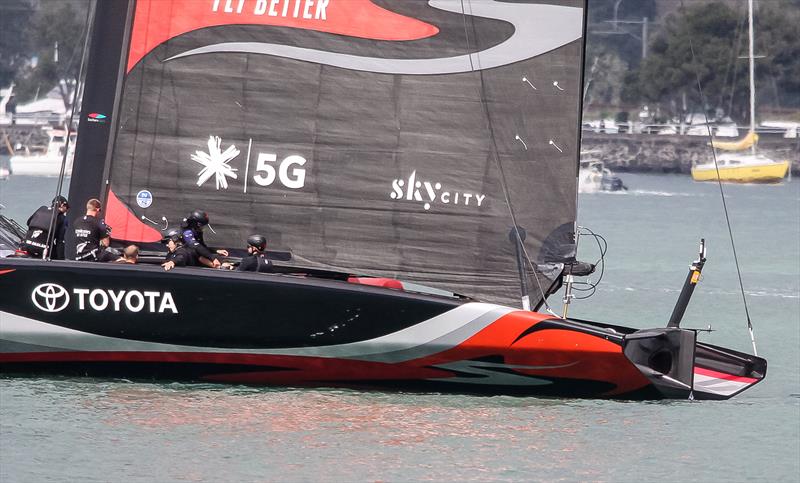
x: 428, y: 337
x: 8, y: 347
x: 716, y: 385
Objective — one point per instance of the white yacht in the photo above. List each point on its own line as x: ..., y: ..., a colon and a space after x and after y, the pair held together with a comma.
x: 47, y: 163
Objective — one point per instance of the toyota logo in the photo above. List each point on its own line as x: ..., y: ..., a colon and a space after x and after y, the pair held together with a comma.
x: 50, y: 297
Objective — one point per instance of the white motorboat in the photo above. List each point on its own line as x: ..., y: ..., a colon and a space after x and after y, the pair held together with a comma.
x: 49, y: 162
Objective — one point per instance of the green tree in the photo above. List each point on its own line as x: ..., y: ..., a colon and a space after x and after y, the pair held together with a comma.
x: 669, y: 73
x: 14, y: 38
x: 605, y: 73
x: 620, y: 39
x: 778, y: 73
x: 57, y: 26
x: 718, y: 35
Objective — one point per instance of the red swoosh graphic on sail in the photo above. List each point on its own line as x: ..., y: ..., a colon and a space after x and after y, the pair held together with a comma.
x: 157, y: 21
x: 125, y: 225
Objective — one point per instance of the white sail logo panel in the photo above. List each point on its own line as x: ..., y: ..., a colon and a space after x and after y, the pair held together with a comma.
x: 330, y: 114
x: 266, y: 167
x: 430, y: 193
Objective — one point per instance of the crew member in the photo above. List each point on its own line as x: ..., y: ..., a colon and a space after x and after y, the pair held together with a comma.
x: 178, y: 255
x: 35, y: 240
x: 129, y: 255
x: 256, y: 261
x: 107, y: 253
x: 193, y: 238
x: 91, y: 233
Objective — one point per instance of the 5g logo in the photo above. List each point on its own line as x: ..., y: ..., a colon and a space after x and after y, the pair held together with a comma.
x: 219, y: 164
x: 289, y: 172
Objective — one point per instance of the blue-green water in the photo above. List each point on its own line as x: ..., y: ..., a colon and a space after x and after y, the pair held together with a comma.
x: 55, y: 429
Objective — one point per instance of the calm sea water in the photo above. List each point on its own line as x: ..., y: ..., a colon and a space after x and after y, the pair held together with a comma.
x: 58, y: 429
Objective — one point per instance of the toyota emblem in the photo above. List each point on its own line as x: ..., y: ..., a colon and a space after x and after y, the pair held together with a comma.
x: 50, y: 297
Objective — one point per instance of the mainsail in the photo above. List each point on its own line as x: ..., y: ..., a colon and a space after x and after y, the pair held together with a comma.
x: 396, y: 138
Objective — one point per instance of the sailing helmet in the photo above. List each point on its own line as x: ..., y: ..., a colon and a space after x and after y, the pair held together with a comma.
x: 174, y: 234
x: 257, y: 241
x: 197, y: 218
x: 60, y: 200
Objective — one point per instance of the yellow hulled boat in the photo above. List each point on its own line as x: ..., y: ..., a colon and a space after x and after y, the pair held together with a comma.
x: 742, y: 168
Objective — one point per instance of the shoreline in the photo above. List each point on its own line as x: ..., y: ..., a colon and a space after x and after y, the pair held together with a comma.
x: 654, y: 153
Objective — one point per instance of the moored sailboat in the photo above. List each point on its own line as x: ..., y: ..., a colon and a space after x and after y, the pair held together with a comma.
x: 416, y: 163
x: 736, y: 165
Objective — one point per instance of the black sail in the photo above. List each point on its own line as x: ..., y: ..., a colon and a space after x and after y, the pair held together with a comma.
x: 394, y: 138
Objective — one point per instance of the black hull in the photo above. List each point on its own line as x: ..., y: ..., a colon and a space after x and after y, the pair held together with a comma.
x: 110, y: 320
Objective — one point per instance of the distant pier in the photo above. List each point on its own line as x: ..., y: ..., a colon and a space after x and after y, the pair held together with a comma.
x: 655, y: 153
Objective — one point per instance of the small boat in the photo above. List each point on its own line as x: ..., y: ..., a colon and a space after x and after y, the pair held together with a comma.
x: 415, y: 167
x: 593, y: 176
x: 737, y: 165
x: 48, y: 163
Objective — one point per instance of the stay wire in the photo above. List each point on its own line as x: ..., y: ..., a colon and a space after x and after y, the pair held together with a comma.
x: 79, y: 84
x: 721, y: 189
x: 496, y: 156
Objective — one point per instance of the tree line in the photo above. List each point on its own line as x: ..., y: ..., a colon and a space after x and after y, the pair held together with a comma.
x: 708, y: 41
x: 41, y: 43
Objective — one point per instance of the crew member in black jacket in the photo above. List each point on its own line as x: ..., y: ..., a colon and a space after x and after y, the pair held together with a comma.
x: 178, y: 255
x: 256, y: 261
x: 90, y: 233
x: 35, y: 239
x: 192, y: 227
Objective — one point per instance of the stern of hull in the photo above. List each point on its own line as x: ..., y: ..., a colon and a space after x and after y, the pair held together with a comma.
x: 679, y: 367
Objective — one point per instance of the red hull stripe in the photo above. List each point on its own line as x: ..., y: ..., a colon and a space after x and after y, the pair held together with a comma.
x: 3, y: 272
x: 298, y: 368
x: 125, y: 225
x: 722, y: 375
x: 157, y: 21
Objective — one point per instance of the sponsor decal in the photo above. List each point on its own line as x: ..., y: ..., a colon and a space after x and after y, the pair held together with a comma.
x: 215, y: 163
x: 144, y: 198
x: 97, y: 117
x: 354, y: 18
x: 36, y: 233
x: 307, y: 9
x: 431, y: 192
x: 288, y: 172
x: 51, y: 297
x: 538, y: 29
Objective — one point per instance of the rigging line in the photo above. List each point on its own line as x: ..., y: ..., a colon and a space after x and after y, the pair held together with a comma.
x: 722, y: 191
x: 730, y: 67
x: 735, y: 56
x: 466, y: 33
x: 79, y: 84
x: 156, y: 118
x: 503, y: 183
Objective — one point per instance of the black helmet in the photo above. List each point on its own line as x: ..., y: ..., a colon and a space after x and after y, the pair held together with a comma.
x: 257, y: 241
x: 60, y: 200
x: 174, y: 234
x: 197, y: 218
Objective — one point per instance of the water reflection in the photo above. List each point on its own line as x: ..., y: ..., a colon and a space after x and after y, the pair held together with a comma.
x: 195, y: 432
x: 483, y: 437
